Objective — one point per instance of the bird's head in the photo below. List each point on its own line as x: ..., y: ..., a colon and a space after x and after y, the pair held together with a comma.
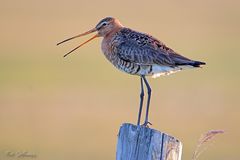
x: 107, y: 25
x: 103, y: 28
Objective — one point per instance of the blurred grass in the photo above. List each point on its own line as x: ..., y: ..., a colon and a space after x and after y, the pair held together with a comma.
x: 62, y: 108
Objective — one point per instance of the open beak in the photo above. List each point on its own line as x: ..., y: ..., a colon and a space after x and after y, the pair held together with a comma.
x: 83, y: 34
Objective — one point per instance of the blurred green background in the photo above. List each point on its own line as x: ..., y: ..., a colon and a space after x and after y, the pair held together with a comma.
x: 71, y: 108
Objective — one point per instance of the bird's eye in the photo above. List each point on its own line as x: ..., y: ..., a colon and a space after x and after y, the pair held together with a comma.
x: 104, y: 24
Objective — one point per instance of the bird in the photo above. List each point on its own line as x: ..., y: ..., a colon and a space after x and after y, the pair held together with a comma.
x: 136, y: 53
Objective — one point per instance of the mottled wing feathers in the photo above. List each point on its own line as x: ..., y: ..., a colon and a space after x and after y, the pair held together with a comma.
x: 144, y: 49
x: 130, y: 51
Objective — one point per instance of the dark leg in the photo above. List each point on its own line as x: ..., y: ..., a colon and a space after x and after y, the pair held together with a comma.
x: 148, y: 101
x: 141, y: 102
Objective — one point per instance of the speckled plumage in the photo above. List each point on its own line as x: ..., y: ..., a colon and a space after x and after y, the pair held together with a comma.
x: 141, y: 54
x: 136, y: 53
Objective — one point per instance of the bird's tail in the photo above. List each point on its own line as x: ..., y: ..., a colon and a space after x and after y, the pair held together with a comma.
x: 183, y: 61
x: 197, y: 63
x: 191, y: 63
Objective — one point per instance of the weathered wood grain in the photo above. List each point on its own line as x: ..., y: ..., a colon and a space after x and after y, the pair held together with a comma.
x: 142, y: 143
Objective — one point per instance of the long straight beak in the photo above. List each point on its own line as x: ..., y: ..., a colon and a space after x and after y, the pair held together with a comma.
x: 83, y: 34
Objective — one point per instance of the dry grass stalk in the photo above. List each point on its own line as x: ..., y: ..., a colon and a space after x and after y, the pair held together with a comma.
x: 203, y: 142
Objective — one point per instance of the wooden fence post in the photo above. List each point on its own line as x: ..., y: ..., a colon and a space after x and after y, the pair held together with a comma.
x: 142, y: 143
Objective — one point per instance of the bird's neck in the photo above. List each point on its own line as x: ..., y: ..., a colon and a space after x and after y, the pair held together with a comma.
x: 107, y: 43
x: 117, y: 28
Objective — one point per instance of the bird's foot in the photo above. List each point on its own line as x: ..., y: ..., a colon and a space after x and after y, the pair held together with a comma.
x: 146, y: 124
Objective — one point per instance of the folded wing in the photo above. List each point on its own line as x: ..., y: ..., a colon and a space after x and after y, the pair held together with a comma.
x: 143, y: 49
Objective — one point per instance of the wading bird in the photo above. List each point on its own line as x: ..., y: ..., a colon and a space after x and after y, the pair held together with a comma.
x: 137, y: 53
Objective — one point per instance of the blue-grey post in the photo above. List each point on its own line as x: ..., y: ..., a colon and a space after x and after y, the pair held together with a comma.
x: 143, y: 143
